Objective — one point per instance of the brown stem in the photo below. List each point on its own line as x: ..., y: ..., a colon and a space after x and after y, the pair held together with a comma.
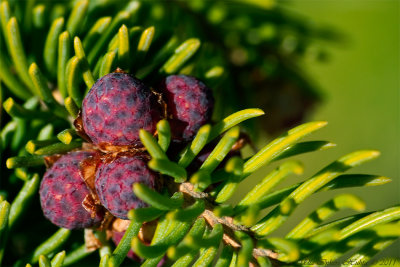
x: 227, y: 222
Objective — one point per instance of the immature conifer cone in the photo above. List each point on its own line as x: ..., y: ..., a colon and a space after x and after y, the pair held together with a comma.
x: 62, y: 191
x: 114, y: 182
x: 189, y: 102
x: 116, y: 107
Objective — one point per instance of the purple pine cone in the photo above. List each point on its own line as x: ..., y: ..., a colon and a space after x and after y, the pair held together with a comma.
x: 116, y: 108
x: 114, y: 182
x: 190, y: 102
x: 62, y: 191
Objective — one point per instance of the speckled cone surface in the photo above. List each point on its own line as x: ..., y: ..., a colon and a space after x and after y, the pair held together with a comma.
x: 189, y: 102
x: 116, y: 108
x: 62, y: 191
x: 114, y: 182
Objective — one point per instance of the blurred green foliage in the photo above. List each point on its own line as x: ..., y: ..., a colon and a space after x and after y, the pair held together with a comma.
x: 360, y: 87
x: 259, y: 45
x: 250, y: 55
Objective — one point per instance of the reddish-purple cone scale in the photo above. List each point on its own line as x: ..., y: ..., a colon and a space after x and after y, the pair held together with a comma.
x: 189, y: 102
x: 116, y: 108
x: 62, y: 191
x: 114, y: 182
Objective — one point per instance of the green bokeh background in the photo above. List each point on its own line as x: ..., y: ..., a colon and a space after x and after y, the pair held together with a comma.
x: 360, y: 84
x: 362, y: 90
